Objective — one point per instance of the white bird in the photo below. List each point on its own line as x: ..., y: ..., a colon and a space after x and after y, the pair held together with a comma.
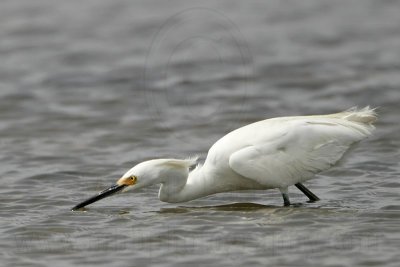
x: 268, y: 154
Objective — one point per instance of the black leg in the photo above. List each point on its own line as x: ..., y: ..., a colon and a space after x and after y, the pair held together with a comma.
x: 286, y: 201
x: 307, y: 192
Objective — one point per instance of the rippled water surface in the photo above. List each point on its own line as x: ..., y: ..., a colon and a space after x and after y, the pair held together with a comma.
x: 90, y: 88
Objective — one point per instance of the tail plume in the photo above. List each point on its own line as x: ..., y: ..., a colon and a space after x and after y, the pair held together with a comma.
x: 366, y: 115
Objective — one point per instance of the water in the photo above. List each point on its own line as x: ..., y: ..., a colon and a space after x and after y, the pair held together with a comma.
x: 90, y: 88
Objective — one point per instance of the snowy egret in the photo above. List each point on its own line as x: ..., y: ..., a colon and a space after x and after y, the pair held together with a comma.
x: 268, y: 154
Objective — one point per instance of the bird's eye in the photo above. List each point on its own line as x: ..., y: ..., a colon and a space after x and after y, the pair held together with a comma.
x: 133, y: 178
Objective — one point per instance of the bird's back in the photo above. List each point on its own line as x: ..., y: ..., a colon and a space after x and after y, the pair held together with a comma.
x: 282, y: 151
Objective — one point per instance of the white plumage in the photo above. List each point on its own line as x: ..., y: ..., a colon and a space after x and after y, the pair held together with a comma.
x: 273, y: 153
x: 283, y: 151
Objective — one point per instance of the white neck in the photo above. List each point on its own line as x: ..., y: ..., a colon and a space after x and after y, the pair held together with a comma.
x: 198, y: 183
x: 201, y: 182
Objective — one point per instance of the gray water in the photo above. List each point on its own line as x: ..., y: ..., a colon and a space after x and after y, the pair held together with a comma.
x: 90, y: 88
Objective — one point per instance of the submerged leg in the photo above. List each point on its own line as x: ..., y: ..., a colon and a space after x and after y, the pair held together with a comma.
x: 307, y: 192
x: 285, y: 195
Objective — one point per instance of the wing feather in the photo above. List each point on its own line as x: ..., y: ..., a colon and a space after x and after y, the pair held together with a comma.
x: 308, y: 147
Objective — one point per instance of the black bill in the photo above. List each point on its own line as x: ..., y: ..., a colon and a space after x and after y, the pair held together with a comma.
x: 103, y: 194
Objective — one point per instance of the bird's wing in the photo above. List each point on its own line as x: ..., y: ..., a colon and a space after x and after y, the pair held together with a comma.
x: 309, y: 147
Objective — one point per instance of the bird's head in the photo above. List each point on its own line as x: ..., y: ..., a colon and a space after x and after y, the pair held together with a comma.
x: 147, y: 173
